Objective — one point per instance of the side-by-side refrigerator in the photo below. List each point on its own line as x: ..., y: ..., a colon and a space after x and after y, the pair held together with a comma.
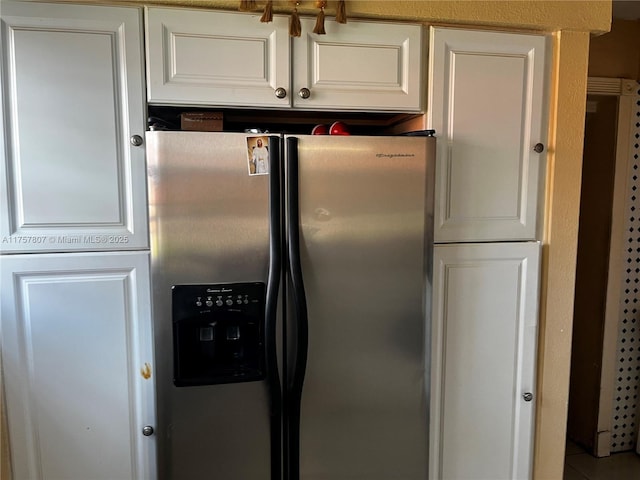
x: 291, y: 290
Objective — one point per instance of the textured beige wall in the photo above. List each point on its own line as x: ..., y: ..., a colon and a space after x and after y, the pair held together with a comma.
x: 549, y: 15
x: 560, y: 249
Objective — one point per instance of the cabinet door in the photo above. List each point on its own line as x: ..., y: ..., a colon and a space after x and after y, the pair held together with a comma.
x: 77, y: 363
x: 73, y: 97
x: 359, y: 66
x: 487, y: 105
x: 484, y: 329
x: 216, y: 58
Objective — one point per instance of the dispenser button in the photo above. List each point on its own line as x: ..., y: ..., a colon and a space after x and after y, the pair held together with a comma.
x: 229, y: 301
x: 209, y: 303
x: 233, y: 332
x: 219, y: 302
x: 206, y: 334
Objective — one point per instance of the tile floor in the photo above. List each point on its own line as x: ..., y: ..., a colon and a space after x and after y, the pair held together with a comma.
x: 579, y: 465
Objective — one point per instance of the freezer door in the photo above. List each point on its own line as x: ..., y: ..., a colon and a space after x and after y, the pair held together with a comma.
x: 364, y: 207
x: 209, y: 225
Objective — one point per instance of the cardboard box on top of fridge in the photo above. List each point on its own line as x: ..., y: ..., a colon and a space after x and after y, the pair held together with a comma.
x: 201, y: 121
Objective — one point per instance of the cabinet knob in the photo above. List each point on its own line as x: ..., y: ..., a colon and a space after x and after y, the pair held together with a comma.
x: 136, y: 140
x: 281, y: 92
x: 147, y: 431
x: 539, y: 148
x: 304, y: 93
x: 528, y: 396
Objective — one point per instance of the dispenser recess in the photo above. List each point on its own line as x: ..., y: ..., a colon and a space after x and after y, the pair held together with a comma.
x: 218, y: 333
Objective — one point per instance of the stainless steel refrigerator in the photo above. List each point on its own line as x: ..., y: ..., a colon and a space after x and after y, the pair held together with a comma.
x: 291, y: 308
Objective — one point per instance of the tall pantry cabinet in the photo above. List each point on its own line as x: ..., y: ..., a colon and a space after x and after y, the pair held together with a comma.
x: 487, y: 105
x: 77, y: 353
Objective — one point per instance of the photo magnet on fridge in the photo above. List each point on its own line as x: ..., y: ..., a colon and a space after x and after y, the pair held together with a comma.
x: 258, y: 155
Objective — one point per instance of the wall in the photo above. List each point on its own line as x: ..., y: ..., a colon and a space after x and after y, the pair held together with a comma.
x: 559, y: 249
x: 548, y: 15
x: 617, y: 54
x: 571, y: 22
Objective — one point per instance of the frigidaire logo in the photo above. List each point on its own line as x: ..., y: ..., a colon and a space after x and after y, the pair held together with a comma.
x: 219, y: 290
x: 394, y: 155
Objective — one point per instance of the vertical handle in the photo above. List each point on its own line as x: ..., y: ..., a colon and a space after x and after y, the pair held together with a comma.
x: 294, y: 390
x: 271, y: 307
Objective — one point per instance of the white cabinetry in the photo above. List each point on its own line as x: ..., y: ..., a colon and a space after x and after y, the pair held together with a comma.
x: 219, y: 58
x: 360, y: 65
x: 487, y: 105
x: 484, y: 330
x: 78, y: 365
x: 77, y: 343
x: 72, y: 84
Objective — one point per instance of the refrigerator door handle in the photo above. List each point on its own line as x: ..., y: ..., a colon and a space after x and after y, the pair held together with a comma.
x: 271, y: 307
x: 299, y: 309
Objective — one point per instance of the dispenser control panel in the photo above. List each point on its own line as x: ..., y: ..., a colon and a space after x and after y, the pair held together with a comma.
x: 202, y: 298
x: 218, y: 333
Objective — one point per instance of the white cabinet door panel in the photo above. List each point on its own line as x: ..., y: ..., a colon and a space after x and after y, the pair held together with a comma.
x: 216, y: 58
x: 487, y: 104
x: 359, y: 66
x: 77, y: 359
x: 484, y: 330
x: 72, y: 77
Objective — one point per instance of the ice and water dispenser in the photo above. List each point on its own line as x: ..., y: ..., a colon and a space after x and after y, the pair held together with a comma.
x: 218, y: 333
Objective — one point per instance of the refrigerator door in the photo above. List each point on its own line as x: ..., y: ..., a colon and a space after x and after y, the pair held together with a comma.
x: 364, y: 210
x: 209, y: 224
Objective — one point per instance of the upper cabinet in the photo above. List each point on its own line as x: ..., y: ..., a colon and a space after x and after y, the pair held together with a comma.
x: 220, y: 58
x: 202, y: 57
x: 358, y: 65
x: 487, y: 103
x: 73, y: 175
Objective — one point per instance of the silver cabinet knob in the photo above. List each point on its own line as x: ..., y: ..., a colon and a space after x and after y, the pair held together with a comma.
x: 304, y: 93
x: 281, y: 92
x: 147, y: 431
x: 136, y: 140
x: 538, y: 148
x: 528, y: 396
